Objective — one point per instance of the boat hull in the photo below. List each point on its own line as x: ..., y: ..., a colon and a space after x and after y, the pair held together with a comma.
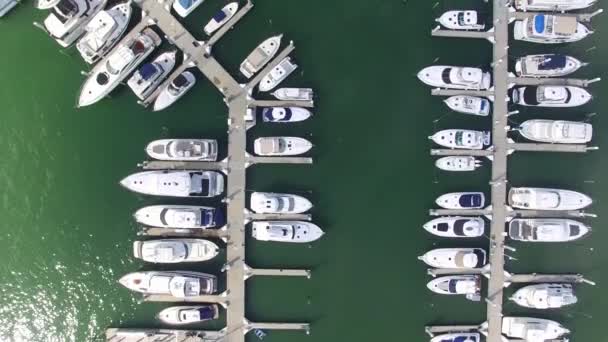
x: 457, y: 163
x: 547, y: 230
x: 166, y: 99
x: 263, y: 203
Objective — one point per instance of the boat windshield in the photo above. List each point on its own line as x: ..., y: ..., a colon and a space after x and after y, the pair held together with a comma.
x: 470, y: 201
x: 177, y: 84
x: 65, y: 10
x: 219, y: 16
x: 553, y: 62
x: 462, y: 138
x: 186, y: 3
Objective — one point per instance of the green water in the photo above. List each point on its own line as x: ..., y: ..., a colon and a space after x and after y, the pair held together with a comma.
x: 67, y: 227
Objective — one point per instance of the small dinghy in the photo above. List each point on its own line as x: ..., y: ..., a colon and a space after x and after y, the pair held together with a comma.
x: 281, y: 146
x: 221, y: 17
x: 468, y: 285
x: 456, y: 226
x: 457, y: 337
x: 171, y: 251
x: 275, y: 76
x: 462, y: 139
x: 185, y: 7
x: 552, y: 5
x: 469, y: 104
x: 550, y: 29
x: 276, y: 203
x: 285, y: 114
x: 545, y: 296
x: 461, y: 200
x: 455, y: 258
x: 69, y: 18
x: 178, y: 284
x: 457, y: 163
x: 183, y: 149
x: 532, y: 329
x: 178, y: 315
x: 178, y: 87
x: 461, y: 20
x: 547, y: 199
x: 286, y: 231
x: 550, y: 96
x: 293, y: 94
x: 547, y: 230
x: 453, y: 77
x: 182, y: 183
x: 260, y: 56
x: 548, y: 65
x: 179, y: 216
x: 556, y: 131
x: 145, y: 80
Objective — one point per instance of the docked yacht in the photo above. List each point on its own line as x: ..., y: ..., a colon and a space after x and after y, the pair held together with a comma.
x: 286, y: 231
x: 547, y: 65
x: 103, y: 32
x: 550, y: 29
x: 556, y: 131
x: 455, y: 258
x: 281, y: 146
x: 107, y: 75
x: 293, y: 94
x: 275, y: 76
x: 180, y: 216
x: 183, y: 149
x: 461, y: 20
x: 179, y: 284
x: 457, y: 337
x: 468, y: 285
x: 453, y: 77
x: 462, y: 139
x: 469, y: 104
x: 285, y: 114
x: 545, y: 296
x: 547, y: 199
x: 6, y: 6
x: 178, y: 315
x: 260, y: 56
x: 185, y: 7
x: 532, y: 329
x: 457, y: 163
x: 221, y: 17
x: 171, y: 251
x: 547, y: 230
x: 461, y: 200
x: 149, y: 77
x: 68, y: 19
x: 177, y: 88
x: 181, y: 183
x: 552, y: 5
x: 277, y: 203
x: 550, y: 96
x: 456, y: 226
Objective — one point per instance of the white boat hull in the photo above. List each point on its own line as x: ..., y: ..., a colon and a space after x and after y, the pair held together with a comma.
x: 469, y: 285
x: 456, y: 227
x: 520, y: 32
x: 557, y: 131
x: 281, y: 146
x: 275, y: 76
x: 545, y: 296
x: 286, y: 231
x: 461, y: 20
x: 166, y: 98
x: 143, y: 88
x: 550, y: 96
x: 225, y: 14
x: 183, y: 149
x: 66, y: 32
x: 461, y: 139
x: 293, y: 94
x: 552, y: 5
x: 469, y: 105
x: 285, y: 114
x: 457, y: 337
x: 172, y: 251
x: 461, y: 200
x: 260, y: 56
x: 182, y: 183
x: 180, y: 315
x: 170, y: 283
x: 539, y: 66
x: 452, y: 77
x: 532, y: 329
x: 277, y: 203
x: 457, y: 163
x: 178, y: 216
x: 547, y: 199
x: 547, y: 230
x: 457, y: 258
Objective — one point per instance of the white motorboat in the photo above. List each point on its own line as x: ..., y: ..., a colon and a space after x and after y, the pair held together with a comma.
x: 286, y: 231
x: 277, y: 203
x: 180, y: 216
x: 275, y: 76
x: 150, y: 75
x: 550, y: 96
x: 545, y: 296
x: 456, y: 226
x: 171, y: 251
x: 285, y: 114
x: 178, y: 315
x: 182, y: 183
x: 183, y: 149
x: 120, y: 63
x: 550, y: 29
x: 461, y: 20
x: 293, y: 94
x: 547, y: 65
x: 457, y: 337
x: 453, y: 77
x: 103, y: 32
x: 177, y: 88
x: 185, y: 7
x: 469, y: 104
x: 547, y: 230
x: 556, y: 131
x: 6, y: 6
x: 552, y: 5
x: 462, y: 139
x: 461, y: 200
x: 468, y: 285
x: 221, y: 17
x: 260, y: 56
x: 547, y: 199
x: 281, y: 146
x: 68, y: 19
x: 532, y: 329
x: 45, y: 4
x: 179, y: 284
x: 457, y: 163
x: 455, y: 258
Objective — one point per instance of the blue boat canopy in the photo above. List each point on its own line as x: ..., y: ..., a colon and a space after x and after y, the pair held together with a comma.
x: 539, y: 23
x: 553, y: 62
x: 470, y: 201
x: 147, y: 71
x: 219, y: 16
x: 452, y: 289
x: 186, y: 3
x: 207, y: 312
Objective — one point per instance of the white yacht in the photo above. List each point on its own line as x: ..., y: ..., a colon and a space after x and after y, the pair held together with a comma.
x: 281, y: 146
x: 469, y: 104
x: 285, y: 114
x: 275, y: 76
x: 6, y: 6
x: 293, y: 94
x: 221, y: 17
x: 260, y: 56
x: 468, y: 285
x: 178, y: 87
x: 461, y: 200
x: 545, y: 296
x: 277, y: 203
x: 175, y: 183
x: 455, y: 258
x: 547, y: 199
x: 286, y: 231
x: 457, y: 337
x: 185, y: 7
x: 461, y: 20
x: 462, y: 139
x: 453, y: 77
x: 179, y: 284
x: 550, y: 29
x: 107, y: 75
x: 457, y: 163
x: 456, y: 226
x: 550, y: 96
x: 103, y: 32
x: 183, y: 149
x: 547, y: 65
x: 68, y: 19
x: 178, y: 315
x: 552, y: 5
x: 547, y: 230
x: 180, y: 216
x: 171, y: 251
x: 532, y: 329
x: 150, y: 75
x: 556, y: 131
